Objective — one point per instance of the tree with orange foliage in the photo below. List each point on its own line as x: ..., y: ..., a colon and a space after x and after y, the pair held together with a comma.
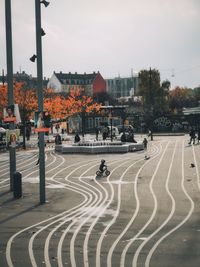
x: 78, y: 103
x: 3, y: 99
x: 56, y: 104
x: 25, y: 98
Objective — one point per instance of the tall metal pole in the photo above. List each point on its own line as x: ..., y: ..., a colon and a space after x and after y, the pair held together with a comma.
x: 151, y: 101
x: 111, y: 131
x: 9, y: 58
x: 40, y: 98
x: 111, y: 126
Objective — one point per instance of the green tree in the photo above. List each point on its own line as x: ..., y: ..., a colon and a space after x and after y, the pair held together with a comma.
x: 154, y: 94
x: 197, y: 93
x: 162, y: 98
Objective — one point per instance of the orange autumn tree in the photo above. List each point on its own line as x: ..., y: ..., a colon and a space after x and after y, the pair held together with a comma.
x: 3, y: 99
x: 25, y: 98
x: 61, y: 107
x: 58, y: 106
x: 78, y: 103
x: 55, y: 104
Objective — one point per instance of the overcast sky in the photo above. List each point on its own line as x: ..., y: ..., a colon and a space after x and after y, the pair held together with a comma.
x: 109, y: 36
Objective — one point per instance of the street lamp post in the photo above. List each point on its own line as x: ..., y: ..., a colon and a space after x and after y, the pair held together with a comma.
x: 9, y: 58
x: 23, y: 117
x: 152, y: 103
x: 111, y: 125
x: 40, y: 98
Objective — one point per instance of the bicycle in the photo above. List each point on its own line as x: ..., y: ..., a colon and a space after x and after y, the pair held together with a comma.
x: 101, y: 173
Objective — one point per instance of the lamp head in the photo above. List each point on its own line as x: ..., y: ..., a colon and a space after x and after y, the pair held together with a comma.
x: 42, y: 32
x: 45, y: 3
x: 33, y: 58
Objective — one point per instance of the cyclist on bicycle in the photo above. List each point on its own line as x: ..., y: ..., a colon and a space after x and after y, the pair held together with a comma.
x: 102, y: 166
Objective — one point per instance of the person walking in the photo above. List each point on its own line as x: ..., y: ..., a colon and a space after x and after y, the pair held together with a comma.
x: 192, y: 135
x: 104, y: 133
x: 58, y: 140
x: 198, y: 136
x: 28, y: 132
x: 145, y: 142
x: 97, y: 133
x: 150, y: 134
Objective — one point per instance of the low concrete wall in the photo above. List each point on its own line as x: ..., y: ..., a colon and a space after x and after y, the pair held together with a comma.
x: 136, y: 147
x: 58, y: 148
x: 117, y: 147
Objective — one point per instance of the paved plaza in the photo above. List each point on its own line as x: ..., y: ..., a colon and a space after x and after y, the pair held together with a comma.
x: 146, y: 213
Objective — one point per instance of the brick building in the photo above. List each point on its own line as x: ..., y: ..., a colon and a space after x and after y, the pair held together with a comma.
x: 29, y: 80
x: 64, y: 82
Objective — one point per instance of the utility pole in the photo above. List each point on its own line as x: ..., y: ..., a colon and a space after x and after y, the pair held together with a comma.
x: 40, y: 99
x: 151, y: 102
x: 9, y: 58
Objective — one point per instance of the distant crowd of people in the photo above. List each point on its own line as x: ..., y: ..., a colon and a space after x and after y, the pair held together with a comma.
x: 126, y: 136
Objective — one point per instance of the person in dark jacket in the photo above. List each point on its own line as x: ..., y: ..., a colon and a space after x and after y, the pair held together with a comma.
x: 198, y: 136
x: 97, y: 133
x: 145, y: 143
x: 28, y: 132
x: 192, y: 135
x: 58, y: 140
x: 123, y: 138
x: 102, y: 166
x: 77, y: 138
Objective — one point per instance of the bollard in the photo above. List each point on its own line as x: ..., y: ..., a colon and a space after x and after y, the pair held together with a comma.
x: 17, y: 185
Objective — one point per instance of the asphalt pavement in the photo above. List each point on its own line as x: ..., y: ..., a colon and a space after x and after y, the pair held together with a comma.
x: 146, y: 213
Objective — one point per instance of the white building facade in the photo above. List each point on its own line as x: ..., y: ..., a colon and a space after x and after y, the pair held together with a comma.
x: 122, y: 87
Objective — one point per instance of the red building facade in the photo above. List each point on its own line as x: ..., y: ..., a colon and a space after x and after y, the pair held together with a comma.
x: 92, y: 83
x: 99, y: 84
